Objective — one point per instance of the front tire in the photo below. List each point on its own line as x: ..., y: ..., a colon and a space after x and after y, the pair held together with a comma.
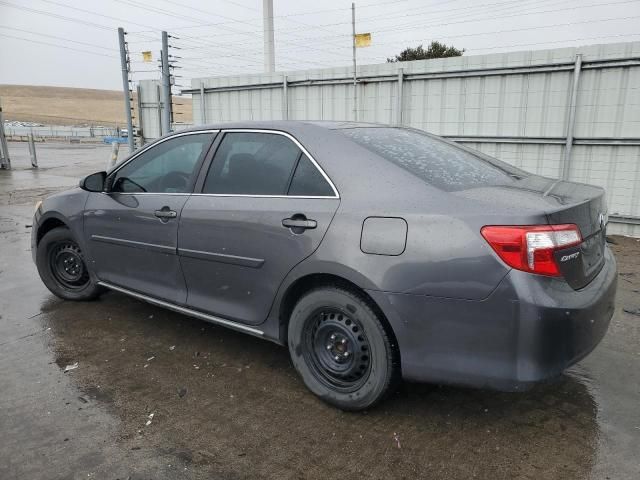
x: 341, y: 349
x: 62, y: 267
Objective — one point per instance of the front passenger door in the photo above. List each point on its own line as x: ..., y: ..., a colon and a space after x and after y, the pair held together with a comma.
x: 132, y: 229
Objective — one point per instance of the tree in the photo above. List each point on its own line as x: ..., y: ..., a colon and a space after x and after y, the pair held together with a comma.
x: 435, y: 50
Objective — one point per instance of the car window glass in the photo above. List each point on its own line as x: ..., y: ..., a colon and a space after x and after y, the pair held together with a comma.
x: 165, y: 168
x: 437, y: 162
x: 308, y: 181
x: 250, y: 163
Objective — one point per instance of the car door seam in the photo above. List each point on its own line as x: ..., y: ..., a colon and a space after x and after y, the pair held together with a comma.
x: 284, y: 278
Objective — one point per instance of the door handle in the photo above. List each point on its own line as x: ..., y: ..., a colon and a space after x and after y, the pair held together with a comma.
x: 165, y: 213
x: 299, y: 222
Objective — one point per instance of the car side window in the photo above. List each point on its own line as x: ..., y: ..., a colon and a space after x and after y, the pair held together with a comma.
x: 165, y: 168
x: 248, y: 163
x: 308, y: 181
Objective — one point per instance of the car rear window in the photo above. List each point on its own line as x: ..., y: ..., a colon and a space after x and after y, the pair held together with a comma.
x: 438, y: 163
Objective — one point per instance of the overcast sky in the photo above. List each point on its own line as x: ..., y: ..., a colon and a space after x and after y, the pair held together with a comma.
x: 222, y: 37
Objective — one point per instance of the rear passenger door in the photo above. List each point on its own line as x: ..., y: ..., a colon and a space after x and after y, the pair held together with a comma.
x: 263, y: 207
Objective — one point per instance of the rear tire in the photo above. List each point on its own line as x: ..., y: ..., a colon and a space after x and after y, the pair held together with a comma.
x: 341, y: 349
x: 62, y: 267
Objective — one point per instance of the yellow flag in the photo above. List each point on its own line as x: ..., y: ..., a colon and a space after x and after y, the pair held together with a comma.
x: 147, y: 57
x: 363, y: 40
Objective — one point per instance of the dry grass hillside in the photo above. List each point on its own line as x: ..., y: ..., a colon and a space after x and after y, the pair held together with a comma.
x: 72, y: 106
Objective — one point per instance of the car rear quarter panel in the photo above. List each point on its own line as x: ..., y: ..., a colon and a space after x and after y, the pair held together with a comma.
x: 445, y: 254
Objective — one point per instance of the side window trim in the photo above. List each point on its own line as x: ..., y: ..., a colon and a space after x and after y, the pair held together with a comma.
x: 204, y: 171
x: 292, y: 173
x: 202, y: 161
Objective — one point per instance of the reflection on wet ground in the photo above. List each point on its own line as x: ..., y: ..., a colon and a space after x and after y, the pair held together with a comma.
x: 159, y: 395
x: 236, y: 403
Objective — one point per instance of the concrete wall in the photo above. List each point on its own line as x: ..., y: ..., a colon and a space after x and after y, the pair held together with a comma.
x: 515, y: 106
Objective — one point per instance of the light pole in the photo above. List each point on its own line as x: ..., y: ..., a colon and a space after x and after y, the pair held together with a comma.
x: 267, y: 23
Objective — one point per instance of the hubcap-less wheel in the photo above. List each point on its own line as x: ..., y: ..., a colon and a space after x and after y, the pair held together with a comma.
x: 337, y: 349
x: 340, y: 347
x: 67, y: 265
x: 62, y: 267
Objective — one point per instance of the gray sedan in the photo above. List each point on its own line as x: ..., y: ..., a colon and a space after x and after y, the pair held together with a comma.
x: 374, y: 253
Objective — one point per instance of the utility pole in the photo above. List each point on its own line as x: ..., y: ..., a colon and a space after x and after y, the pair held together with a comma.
x: 355, y: 66
x: 124, y: 62
x: 166, y: 85
x: 267, y: 25
x: 5, y: 161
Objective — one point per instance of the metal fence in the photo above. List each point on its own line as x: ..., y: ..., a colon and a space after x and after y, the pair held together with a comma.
x: 566, y: 113
x: 58, y: 131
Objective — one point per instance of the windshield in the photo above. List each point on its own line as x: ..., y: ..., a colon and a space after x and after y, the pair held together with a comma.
x: 439, y: 163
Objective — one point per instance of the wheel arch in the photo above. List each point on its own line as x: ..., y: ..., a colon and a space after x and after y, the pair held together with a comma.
x: 309, y: 281
x: 49, y: 223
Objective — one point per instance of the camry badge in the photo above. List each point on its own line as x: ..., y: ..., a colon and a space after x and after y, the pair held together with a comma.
x: 570, y: 257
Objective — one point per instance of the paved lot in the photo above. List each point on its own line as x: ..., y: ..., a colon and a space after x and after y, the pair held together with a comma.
x: 159, y: 395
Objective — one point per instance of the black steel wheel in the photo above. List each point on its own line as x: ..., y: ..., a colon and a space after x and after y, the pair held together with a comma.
x: 67, y: 265
x: 62, y: 267
x: 342, y: 348
x: 337, y: 349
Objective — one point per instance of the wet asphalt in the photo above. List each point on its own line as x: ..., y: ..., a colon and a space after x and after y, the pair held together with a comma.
x: 157, y: 395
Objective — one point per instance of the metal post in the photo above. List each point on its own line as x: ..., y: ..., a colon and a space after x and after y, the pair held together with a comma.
x: 203, y: 110
x: 139, y: 106
x: 572, y: 118
x: 139, y: 103
x: 124, y: 62
x: 355, y: 66
x: 399, y: 99
x: 267, y: 26
x: 159, y: 106
x: 5, y: 161
x: 166, y: 86
x: 285, y: 98
x: 115, y: 147
x: 32, y: 151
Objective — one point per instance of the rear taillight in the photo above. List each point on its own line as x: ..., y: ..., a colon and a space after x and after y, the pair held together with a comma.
x: 530, y: 248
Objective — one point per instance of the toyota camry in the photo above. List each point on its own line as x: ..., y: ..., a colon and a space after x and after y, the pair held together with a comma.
x: 373, y: 253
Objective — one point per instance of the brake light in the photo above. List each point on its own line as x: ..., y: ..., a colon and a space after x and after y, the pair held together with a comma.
x: 531, y: 248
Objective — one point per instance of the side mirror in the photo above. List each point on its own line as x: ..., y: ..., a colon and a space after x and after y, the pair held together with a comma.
x: 94, y: 182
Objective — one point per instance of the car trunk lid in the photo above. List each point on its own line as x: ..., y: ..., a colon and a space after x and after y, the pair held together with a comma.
x: 561, y: 202
x: 585, y: 206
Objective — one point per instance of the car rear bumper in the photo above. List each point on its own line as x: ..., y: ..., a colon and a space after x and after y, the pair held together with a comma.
x: 528, y: 329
